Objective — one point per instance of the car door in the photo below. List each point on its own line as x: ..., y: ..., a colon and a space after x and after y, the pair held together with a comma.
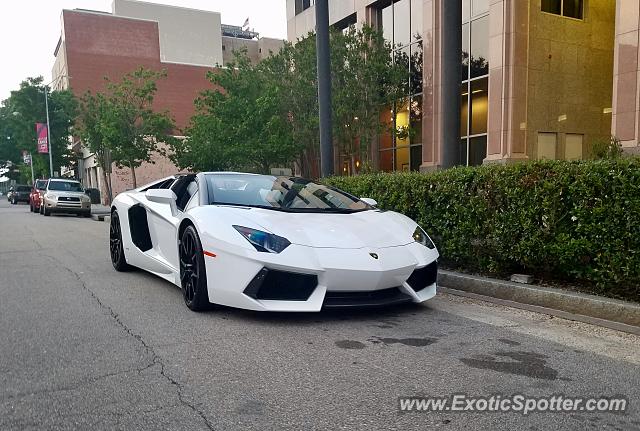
x: 163, y: 225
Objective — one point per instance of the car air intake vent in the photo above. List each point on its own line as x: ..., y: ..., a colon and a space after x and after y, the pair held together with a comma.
x: 281, y: 285
x: 68, y: 199
x: 376, y: 298
x: 393, y: 295
x: 423, y: 277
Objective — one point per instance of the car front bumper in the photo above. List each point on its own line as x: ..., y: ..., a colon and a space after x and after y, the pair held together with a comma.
x: 302, y: 279
x: 67, y: 206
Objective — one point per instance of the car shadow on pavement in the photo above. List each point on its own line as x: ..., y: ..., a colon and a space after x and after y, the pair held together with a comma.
x: 325, y: 315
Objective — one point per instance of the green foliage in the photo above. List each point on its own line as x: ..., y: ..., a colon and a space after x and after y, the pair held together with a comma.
x: 266, y: 115
x: 607, y: 148
x: 364, y: 78
x: 123, y: 122
x: 572, y: 221
x: 20, y: 112
x: 240, y: 124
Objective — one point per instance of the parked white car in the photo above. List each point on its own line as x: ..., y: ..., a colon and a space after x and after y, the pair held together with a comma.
x: 65, y: 196
x: 270, y: 243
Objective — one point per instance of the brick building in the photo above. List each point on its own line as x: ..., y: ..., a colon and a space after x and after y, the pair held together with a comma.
x: 187, y: 43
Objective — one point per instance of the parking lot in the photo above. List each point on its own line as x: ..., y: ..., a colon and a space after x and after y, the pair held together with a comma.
x: 82, y: 346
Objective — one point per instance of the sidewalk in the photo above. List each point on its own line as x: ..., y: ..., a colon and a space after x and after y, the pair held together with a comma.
x: 98, y: 209
x: 582, y: 307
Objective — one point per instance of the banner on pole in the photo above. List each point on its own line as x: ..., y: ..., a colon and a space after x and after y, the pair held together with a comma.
x: 43, y: 137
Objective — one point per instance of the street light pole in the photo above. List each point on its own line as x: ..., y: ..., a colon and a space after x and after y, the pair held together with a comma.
x: 49, y: 143
x: 46, y: 105
x: 324, y: 87
x: 33, y: 177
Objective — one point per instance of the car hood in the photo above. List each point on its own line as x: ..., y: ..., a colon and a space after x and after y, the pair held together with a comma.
x: 372, y: 229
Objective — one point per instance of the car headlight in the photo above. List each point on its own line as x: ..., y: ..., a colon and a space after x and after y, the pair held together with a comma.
x: 85, y: 199
x: 421, y: 237
x: 263, y: 241
x: 51, y: 196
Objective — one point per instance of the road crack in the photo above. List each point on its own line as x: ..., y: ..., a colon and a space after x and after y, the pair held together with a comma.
x: 155, y: 358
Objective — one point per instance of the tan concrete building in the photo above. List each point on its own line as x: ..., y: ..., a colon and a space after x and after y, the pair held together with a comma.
x: 540, y: 78
x: 186, y: 43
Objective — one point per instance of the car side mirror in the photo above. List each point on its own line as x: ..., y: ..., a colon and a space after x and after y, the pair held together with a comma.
x: 369, y: 201
x: 163, y: 196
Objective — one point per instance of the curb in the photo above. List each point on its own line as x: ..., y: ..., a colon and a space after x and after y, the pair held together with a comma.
x: 101, y: 217
x: 613, y: 313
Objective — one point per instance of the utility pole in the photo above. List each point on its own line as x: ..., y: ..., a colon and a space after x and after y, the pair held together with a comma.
x: 324, y: 87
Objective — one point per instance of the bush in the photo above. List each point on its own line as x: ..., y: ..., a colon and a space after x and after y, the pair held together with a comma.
x: 568, y: 221
x: 609, y: 148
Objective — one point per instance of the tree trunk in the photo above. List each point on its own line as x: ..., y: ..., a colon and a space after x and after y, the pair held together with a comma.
x: 353, y: 164
x: 107, y: 186
x: 134, y: 182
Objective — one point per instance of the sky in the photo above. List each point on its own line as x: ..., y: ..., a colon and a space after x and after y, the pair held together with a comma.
x: 29, y: 29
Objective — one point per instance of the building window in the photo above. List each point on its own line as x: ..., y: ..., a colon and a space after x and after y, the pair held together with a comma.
x: 573, y: 146
x: 568, y: 8
x: 547, y: 144
x: 474, y: 90
x: 302, y: 5
x: 401, y: 145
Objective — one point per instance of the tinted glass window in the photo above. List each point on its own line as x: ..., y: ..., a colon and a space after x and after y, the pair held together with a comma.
x: 24, y: 188
x: 279, y: 193
x: 65, y: 186
x: 41, y: 184
x: 552, y: 6
x: 572, y: 8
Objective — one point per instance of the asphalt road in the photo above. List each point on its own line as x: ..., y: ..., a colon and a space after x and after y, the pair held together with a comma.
x: 85, y: 347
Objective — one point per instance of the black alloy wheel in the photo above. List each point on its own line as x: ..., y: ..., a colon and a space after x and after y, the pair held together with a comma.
x: 193, y: 277
x: 116, y: 248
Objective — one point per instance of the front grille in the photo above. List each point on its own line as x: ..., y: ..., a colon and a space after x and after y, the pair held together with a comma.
x: 423, y: 277
x: 68, y: 199
x: 393, y: 295
x: 272, y: 284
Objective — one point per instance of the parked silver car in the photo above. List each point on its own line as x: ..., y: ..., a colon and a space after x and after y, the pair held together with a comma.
x: 65, y: 196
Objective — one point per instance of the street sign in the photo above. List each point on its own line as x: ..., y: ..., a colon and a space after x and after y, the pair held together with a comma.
x: 26, y: 158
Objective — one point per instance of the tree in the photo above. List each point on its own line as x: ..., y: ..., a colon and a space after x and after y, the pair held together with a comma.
x: 24, y: 108
x: 90, y: 130
x: 129, y: 127
x: 365, y: 79
x: 294, y: 71
x: 240, y: 124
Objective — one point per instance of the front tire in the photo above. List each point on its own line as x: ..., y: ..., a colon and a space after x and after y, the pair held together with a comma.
x: 116, y: 249
x: 193, y: 276
x: 46, y: 212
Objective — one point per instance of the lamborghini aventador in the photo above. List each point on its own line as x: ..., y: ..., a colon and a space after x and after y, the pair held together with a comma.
x: 271, y: 243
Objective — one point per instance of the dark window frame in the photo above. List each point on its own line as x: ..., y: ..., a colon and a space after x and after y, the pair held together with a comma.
x: 562, y: 12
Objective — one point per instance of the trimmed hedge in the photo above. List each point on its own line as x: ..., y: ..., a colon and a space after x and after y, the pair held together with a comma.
x: 568, y: 221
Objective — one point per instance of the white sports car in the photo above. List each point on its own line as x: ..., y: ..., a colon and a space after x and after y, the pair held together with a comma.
x: 271, y: 243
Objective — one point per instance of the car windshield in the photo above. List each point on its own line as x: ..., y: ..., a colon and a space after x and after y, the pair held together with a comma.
x: 279, y: 193
x: 41, y: 184
x: 65, y: 186
x: 23, y: 188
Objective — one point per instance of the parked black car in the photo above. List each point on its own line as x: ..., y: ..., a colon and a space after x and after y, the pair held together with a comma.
x: 20, y: 194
